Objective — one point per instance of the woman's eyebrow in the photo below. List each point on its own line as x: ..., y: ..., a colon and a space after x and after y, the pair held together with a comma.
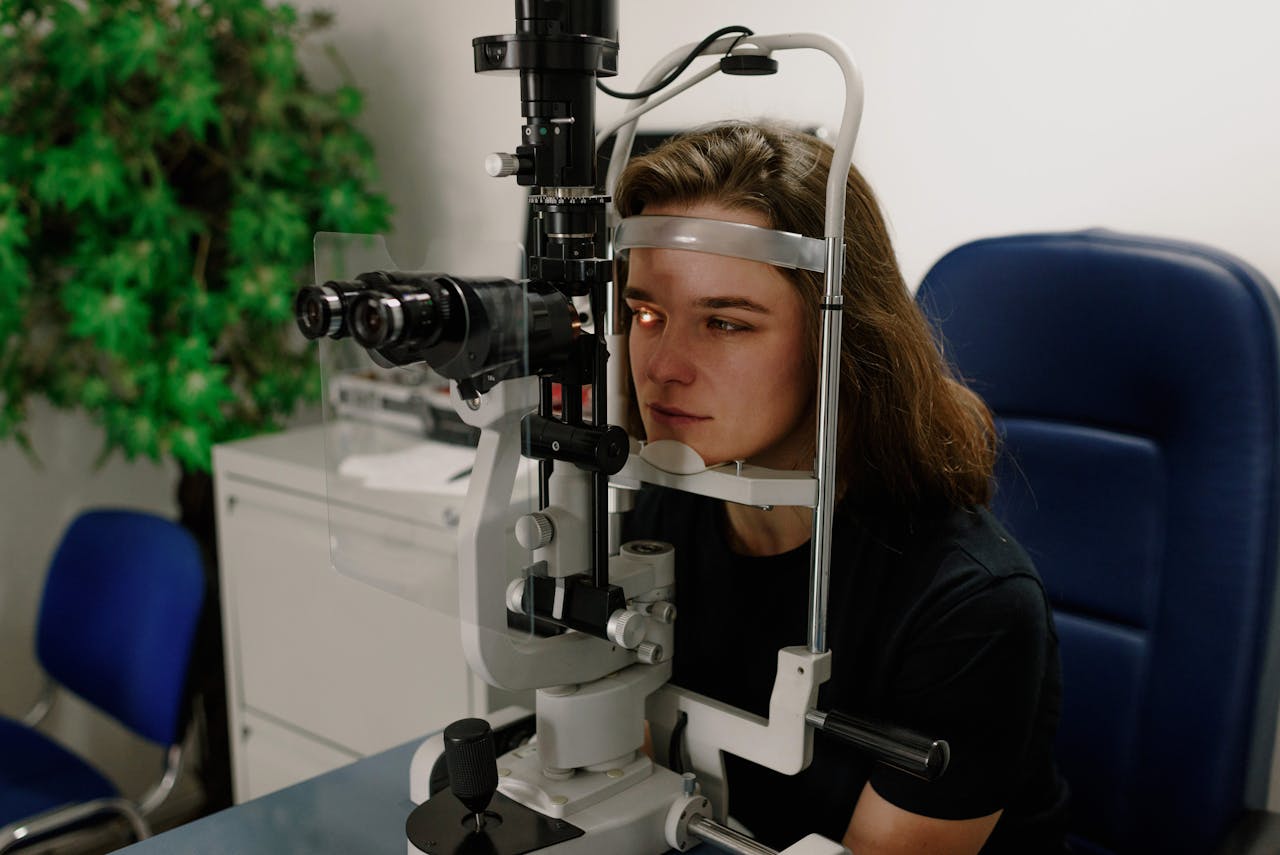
x: 642, y: 296
x: 731, y: 303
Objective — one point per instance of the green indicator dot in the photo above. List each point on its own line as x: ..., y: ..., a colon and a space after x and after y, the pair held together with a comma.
x: 542, y: 131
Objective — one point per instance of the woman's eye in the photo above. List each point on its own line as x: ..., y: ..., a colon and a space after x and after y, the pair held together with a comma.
x: 726, y: 325
x: 645, y: 317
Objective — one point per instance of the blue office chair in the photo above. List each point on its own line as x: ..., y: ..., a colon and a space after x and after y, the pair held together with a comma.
x: 116, y: 624
x: 1136, y: 385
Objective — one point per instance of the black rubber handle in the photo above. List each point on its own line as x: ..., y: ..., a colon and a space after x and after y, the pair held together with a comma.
x: 898, y: 747
x: 473, y: 766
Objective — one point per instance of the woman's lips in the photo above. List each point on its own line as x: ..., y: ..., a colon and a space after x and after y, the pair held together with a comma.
x: 673, y: 416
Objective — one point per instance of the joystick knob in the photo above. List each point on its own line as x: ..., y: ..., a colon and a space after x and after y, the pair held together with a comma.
x: 473, y: 765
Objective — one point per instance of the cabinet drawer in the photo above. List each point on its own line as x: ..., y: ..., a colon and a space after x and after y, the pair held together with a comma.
x: 352, y: 664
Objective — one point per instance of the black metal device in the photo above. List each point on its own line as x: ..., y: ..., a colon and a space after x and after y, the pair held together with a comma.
x: 479, y: 332
x: 560, y: 49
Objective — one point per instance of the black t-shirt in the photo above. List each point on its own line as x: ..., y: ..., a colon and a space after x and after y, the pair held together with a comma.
x: 937, y: 623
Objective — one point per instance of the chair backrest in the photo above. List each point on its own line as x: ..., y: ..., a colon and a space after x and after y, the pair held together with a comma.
x: 118, y: 617
x: 1135, y: 382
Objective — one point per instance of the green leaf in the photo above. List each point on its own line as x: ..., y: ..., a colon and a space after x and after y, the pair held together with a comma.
x: 89, y: 171
x: 135, y: 431
x: 13, y: 233
x: 349, y: 101
x: 206, y: 314
x: 116, y: 319
x: 197, y: 393
x: 270, y: 224
x: 286, y: 15
x: 347, y: 207
x: 271, y: 103
x: 275, y: 61
x: 277, y: 154
x: 95, y: 392
x: 131, y: 43
x: 18, y: 159
x: 189, y: 103
x: 263, y: 290
x: 157, y: 212
x: 191, y: 445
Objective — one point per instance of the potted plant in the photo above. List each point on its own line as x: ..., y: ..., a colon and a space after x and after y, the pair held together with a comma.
x: 163, y: 167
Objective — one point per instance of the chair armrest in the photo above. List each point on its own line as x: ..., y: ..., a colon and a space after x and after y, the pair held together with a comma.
x: 1256, y: 832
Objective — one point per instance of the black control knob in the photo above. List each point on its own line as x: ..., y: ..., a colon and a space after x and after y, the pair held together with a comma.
x: 472, y: 763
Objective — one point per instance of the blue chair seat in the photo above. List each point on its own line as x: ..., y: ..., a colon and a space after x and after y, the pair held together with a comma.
x: 39, y: 774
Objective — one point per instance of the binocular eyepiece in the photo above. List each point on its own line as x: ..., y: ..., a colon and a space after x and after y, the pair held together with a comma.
x: 374, y: 309
x: 464, y: 328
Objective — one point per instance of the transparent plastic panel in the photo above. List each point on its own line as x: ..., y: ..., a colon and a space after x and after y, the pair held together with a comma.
x: 399, y: 457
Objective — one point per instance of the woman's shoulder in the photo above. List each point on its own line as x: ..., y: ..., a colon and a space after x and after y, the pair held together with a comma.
x: 958, y: 558
x: 981, y: 565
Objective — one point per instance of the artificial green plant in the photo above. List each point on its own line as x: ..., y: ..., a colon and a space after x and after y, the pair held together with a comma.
x: 163, y: 167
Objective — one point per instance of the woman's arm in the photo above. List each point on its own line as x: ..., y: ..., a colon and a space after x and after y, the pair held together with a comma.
x: 881, y: 828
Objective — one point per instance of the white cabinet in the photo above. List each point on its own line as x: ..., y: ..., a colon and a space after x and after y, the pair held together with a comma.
x: 323, y: 669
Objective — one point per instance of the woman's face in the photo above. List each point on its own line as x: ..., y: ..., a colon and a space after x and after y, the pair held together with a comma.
x: 718, y: 353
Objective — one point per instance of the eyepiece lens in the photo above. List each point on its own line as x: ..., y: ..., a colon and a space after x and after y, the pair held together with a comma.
x: 313, y: 311
x: 376, y: 319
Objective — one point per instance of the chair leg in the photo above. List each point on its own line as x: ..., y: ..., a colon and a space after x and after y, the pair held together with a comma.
x: 59, y: 819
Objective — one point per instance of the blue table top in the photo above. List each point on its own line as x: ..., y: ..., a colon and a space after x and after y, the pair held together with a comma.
x: 357, y: 808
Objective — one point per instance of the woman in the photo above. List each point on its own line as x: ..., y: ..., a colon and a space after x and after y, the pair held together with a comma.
x: 937, y: 620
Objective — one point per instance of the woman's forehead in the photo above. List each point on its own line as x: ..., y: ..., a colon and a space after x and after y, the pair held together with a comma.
x: 708, y: 210
x: 679, y: 275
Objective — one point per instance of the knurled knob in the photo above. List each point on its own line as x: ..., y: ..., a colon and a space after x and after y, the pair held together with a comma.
x: 472, y: 763
x: 500, y: 164
x: 649, y: 652
x: 626, y: 628
x: 535, y: 530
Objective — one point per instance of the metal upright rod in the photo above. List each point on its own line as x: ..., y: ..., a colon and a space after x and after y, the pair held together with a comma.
x: 828, y: 407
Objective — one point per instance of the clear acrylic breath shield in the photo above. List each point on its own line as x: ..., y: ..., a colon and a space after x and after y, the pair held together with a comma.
x: 398, y: 457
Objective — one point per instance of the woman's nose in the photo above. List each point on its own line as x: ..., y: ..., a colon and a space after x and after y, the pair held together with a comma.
x: 670, y: 360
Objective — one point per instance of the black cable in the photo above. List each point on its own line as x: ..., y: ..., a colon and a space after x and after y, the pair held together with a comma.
x: 678, y: 70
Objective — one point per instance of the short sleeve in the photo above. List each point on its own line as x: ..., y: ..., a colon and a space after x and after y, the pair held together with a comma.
x: 971, y: 672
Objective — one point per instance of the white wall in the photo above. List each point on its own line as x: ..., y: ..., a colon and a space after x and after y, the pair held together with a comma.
x: 982, y: 117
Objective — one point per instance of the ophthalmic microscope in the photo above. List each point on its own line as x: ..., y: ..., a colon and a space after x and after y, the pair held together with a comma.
x: 588, y: 622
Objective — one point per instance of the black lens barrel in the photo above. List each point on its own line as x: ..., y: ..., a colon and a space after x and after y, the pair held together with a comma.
x: 321, y: 310
x: 399, y: 312
x: 464, y: 328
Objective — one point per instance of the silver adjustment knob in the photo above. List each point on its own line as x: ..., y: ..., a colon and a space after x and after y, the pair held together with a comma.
x: 626, y: 628
x: 649, y: 652
x: 535, y: 530
x: 499, y: 164
x: 515, y: 596
x: 663, y: 612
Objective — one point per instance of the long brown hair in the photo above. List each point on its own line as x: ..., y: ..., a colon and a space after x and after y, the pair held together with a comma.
x: 910, y: 434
